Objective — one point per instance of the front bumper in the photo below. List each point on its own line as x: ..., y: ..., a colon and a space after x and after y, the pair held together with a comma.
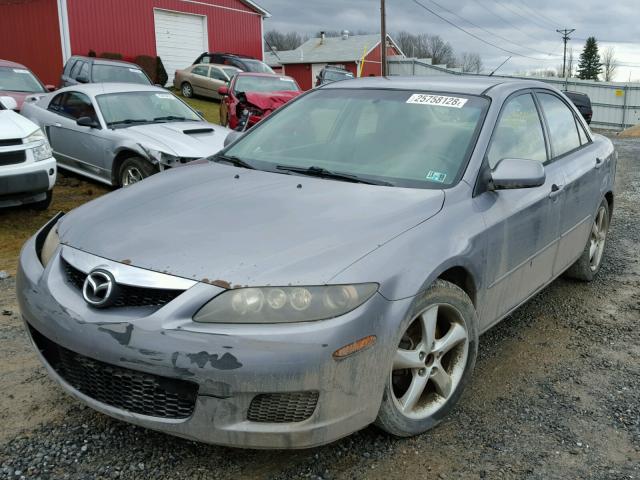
x: 258, y: 359
x: 26, y: 182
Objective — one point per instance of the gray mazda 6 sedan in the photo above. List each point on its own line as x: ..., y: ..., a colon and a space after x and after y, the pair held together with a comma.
x: 329, y: 269
x: 120, y: 133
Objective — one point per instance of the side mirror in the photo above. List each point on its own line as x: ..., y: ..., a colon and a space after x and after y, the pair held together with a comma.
x: 512, y: 173
x: 82, y: 79
x: 9, y: 103
x: 232, y: 137
x: 223, y: 91
x: 88, y: 122
x: 50, y: 88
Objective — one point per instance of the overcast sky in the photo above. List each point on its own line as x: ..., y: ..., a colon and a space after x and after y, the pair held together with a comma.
x: 528, y: 24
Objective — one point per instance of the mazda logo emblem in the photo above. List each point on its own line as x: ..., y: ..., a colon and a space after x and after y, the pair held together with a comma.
x: 99, y: 289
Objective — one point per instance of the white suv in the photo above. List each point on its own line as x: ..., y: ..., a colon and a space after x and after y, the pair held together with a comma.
x: 27, y: 166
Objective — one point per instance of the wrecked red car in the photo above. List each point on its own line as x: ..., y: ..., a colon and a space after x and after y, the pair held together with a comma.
x: 250, y: 97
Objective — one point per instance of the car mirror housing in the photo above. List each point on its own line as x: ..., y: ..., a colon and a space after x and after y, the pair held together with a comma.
x: 50, y: 88
x: 88, y: 122
x: 8, y: 103
x: 223, y: 90
x: 232, y: 137
x: 512, y: 173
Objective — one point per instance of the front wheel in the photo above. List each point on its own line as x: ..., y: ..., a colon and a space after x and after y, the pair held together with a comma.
x: 432, y: 363
x: 134, y: 170
x: 589, y: 263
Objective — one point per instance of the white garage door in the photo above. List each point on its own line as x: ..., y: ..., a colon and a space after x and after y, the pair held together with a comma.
x: 180, y: 39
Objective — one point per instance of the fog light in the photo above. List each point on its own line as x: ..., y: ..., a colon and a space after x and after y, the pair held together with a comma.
x: 354, y: 347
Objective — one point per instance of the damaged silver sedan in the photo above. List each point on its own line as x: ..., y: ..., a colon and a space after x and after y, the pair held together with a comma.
x: 119, y: 134
x: 331, y: 268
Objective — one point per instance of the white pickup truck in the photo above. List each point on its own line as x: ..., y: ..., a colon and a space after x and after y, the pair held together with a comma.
x: 27, y: 167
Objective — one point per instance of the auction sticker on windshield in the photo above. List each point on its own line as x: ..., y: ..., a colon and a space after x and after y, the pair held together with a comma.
x: 165, y: 96
x: 437, y: 100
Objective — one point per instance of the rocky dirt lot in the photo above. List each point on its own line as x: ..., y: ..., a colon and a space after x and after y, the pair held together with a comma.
x: 556, y: 394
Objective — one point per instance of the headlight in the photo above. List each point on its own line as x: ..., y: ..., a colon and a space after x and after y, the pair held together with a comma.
x: 284, y: 304
x: 41, y: 149
x: 51, y: 243
x: 161, y: 157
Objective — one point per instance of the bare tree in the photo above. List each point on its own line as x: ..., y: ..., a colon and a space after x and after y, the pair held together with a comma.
x: 426, y: 46
x: 284, y: 41
x: 470, y: 62
x: 609, y: 63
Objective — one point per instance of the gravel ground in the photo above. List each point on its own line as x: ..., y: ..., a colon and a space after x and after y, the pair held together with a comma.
x: 556, y: 394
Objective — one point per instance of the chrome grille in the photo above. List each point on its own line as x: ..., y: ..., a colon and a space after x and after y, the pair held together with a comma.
x: 122, y: 388
x: 282, y: 407
x: 129, y: 296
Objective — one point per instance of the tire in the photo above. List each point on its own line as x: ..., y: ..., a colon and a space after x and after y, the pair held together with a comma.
x: 43, y: 204
x: 588, y: 265
x: 187, y: 90
x: 134, y: 170
x: 451, y: 315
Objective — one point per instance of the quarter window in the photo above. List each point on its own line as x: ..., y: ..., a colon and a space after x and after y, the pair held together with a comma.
x: 562, y: 124
x: 518, y: 133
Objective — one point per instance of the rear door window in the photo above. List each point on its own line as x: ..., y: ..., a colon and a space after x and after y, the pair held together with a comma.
x: 518, y: 133
x: 562, y: 124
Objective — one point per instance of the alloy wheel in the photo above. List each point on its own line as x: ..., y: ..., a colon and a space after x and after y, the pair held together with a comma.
x: 131, y: 175
x: 187, y: 90
x: 430, y: 361
x: 598, y: 238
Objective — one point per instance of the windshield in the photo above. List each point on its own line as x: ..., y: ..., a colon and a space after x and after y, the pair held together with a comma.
x: 19, y: 80
x: 256, y: 66
x: 406, y: 138
x: 333, y: 76
x: 248, y: 83
x: 143, y: 107
x: 113, y: 73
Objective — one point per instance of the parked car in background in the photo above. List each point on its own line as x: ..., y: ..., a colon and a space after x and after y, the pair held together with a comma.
x: 79, y: 70
x: 18, y: 82
x: 252, y: 96
x: 245, y: 64
x: 331, y: 268
x: 582, y: 103
x: 27, y: 166
x: 119, y: 133
x: 203, y: 79
x: 332, y: 74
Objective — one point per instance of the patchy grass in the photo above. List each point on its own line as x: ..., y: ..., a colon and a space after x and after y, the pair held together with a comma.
x: 209, y: 108
x: 18, y: 224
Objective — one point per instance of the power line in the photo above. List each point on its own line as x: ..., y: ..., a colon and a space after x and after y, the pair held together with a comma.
x: 488, y: 31
x: 546, y: 19
x: 543, y: 27
x: 474, y: 35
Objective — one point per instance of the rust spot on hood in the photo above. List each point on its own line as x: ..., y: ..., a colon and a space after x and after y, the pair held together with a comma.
x: 222, y: 284
x: 126, y: 261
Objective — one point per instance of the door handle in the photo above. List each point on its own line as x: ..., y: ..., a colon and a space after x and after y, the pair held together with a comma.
x: 555, y: 190
x: 599, y: 162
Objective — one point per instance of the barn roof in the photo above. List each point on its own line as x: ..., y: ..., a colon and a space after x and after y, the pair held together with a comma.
x: 331, y: 49
x: 256, y: 7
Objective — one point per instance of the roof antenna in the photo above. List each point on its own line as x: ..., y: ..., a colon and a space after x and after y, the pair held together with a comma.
x: 496, y: 69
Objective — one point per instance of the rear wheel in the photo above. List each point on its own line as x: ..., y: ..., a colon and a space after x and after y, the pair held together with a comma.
x: 43, y: 204
x: 589, y: 263
x: 134, y: 170
x: 432, y: 363
x: 187, y: 90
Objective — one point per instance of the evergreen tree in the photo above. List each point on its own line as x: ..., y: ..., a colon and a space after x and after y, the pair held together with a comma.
x: 590, y: 67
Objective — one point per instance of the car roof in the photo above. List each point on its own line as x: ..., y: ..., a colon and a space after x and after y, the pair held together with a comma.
x: 261, y: 74
x: 463, y: 84
x: 9, y: 63
x: 102, y: 88
x: 105, y: 61
x: 219, y: 65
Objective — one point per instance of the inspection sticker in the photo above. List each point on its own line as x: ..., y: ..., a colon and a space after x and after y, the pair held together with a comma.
x: 438, y: 100
x: 20, y: 70
x: 436, y: 176
x: 135, y: 70
x: 166, y: 96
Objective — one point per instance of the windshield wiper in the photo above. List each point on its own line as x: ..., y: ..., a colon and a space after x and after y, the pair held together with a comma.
x: 128, y: 121
x: 235, y: 161
x: 324, y: 173
x: 170, y: 118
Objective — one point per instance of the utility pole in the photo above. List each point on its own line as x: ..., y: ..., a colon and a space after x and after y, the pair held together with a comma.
x: 383, y: 35
x: 565, y: 36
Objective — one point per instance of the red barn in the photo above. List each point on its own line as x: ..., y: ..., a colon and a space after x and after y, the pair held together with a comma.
x: 43, y: 34
x: 360, y: 54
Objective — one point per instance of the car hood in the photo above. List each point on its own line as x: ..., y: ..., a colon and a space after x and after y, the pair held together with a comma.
x: 182, y: 139
x: 14, y: 125
x: 213, y: 222
x: 17, y: 96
